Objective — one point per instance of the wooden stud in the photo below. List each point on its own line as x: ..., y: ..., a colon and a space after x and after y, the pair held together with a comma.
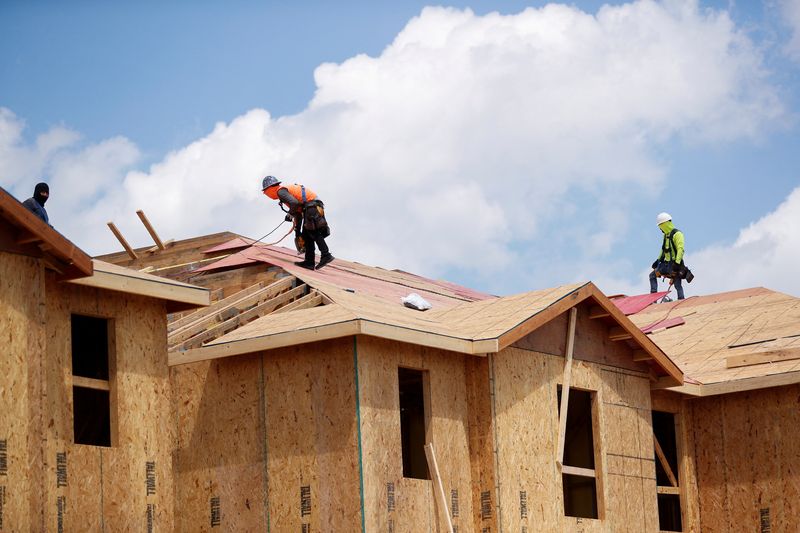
x: 90, y: 383
x: 150, y: 229
x: 562, y: 420
x: 122, y: 241
x: 597, y: 311
x: 618, y: 333
x: 437, y: 485
x: 664, y: 463
x: 577, y: 471
x: 669, y: 490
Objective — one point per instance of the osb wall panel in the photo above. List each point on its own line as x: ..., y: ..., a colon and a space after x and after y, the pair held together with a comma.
x: 21, y: 359
x: 747, y: 448
x: 90, y: 488
x: 220, y: 447
x: 392, y: 502
x: 481, y: 443
x: 526, y: 410
x: 312, y: 438
x: 268, y: 441
x: 592, y: 344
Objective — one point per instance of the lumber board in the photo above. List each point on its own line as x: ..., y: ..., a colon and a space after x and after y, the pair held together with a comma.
x: 597, y: 311
x: 430, y: 455
x: 662, y: 459
x: 118, y: 234
x: 772, y: 356
x: 214, y: 307
x: 259, y: 310
x: 150, y: 229
x: 641, y: 355
x: 89, y: 383
x: 618, y: 333
x: 577, y: 471
x: 225, y: 309
x: 565, y: 384
x: 312, y: 299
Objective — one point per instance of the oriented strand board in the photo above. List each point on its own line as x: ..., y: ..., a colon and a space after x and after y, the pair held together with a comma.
x: 481, y: 442
x: 747, y: 449
x: 107, y: 487
x: 21, y: 416
x: 413, y: 508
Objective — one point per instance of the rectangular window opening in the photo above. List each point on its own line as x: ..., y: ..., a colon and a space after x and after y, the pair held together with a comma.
x: 578, y: 470
x: 91, y: 386
x: 669, y: 505
x: 413, y: 422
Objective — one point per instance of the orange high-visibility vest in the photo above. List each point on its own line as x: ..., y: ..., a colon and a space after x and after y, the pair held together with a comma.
x: 295, y: 190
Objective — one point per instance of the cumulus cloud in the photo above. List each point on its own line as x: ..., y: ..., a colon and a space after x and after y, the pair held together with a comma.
x: 463, y: 145
x: 766, y: 253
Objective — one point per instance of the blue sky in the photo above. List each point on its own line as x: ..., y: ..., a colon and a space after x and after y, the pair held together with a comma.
x: 438, y: 137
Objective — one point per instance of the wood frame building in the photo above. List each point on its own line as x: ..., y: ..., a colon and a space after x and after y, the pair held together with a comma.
x: 85, y: 432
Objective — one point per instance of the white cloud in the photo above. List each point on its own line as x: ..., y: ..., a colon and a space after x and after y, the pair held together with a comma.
x: 458, y: 144
x: 766, y: 253
x: 790, y: 9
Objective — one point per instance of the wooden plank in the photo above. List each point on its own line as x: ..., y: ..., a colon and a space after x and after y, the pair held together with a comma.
x: 430, y: 455
x: 618, y: 333
x: 225, y: 309
x: 597, y: 311
x: 772, y: 356
x: 150, y: 229
x: 664, y: 463
x: 166, y: 244
x: 122, y: 241
x: 668, y: 490
x: 222, y: 304
x: 565, y: 384
x: 641, y: 355
x: 89, y: 383
x: 576, y: 471
x: 259, y: 310
x: 312, y: 299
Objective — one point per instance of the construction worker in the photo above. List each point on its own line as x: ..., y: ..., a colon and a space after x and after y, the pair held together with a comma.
x: 35, y: 204
x: 308, y: 214
x: 670, y: 263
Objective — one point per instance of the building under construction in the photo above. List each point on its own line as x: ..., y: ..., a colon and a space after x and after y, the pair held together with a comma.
x: 306, y: 400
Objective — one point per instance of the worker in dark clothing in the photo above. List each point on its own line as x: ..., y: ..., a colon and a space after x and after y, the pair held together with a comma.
x: 308, y: 214
x: 670, y: 262
x: 35, y: 204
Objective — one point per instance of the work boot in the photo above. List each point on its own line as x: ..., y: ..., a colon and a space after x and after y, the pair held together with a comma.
x: 324, y: 260
x: 309, y: 266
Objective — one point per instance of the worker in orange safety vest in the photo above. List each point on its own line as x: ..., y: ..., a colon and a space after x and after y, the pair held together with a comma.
x: 308, y: 213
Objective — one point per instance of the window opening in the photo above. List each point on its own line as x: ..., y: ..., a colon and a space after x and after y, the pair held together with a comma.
x: 90, y: 380
x: 666, y: 452
x: 579, y: 478
x: 413, y: 422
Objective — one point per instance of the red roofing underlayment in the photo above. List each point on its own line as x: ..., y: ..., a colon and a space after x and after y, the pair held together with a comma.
x: 664, y: 324
x: 341, y: 274
x: 630, y: 305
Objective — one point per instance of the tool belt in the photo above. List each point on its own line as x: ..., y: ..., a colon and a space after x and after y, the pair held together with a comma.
x: 314, y: 217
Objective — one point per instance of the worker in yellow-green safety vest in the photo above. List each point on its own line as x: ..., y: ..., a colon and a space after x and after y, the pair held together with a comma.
x: 670, y: 262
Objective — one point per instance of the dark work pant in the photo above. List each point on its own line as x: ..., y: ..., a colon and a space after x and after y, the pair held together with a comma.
x: 311, y: 237
x: 676, y: 282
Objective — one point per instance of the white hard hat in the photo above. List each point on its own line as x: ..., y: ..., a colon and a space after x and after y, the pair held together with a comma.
x: 663, y: 217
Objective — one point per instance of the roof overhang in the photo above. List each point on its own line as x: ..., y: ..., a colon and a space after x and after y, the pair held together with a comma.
x: 178, y: 296
x: 31, y: 236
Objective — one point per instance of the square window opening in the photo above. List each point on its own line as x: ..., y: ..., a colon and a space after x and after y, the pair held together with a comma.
x: 90, y: 347
x: 669, y: 512
x: 91, y: 417
x: 413, y: 422
x: 580, y: 496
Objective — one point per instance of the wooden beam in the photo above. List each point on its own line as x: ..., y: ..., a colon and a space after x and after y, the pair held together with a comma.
x: 641, y: 355
x: 242, y: 318
x: 312, y: 299
x: 150, y: 229
x: 122, y: 241
x: 227, y: 308
x: 437, y: 485
x: 167, y: 244
x: 597, y: 311
x: 668, y: 490
x: 772, y: 356
x: 562, y: 419
x: 576, y: 471
x: 27, y: 237
x: 618, y: 333
x: 664, y: 463
x: 90, y: 383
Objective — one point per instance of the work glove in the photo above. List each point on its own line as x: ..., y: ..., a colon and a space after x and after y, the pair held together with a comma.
x: 655, y: 264
x: 288, y: 218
